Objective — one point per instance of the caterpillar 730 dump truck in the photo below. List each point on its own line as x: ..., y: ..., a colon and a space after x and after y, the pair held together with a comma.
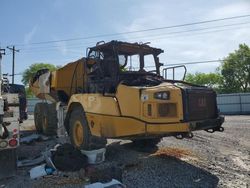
x: 112, y: 94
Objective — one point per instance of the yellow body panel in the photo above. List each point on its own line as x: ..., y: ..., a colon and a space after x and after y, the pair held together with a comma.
x: 129, y: 100
x: 97, y: 103
x: 112, y: 126
x: 133, y: 102
x: 125, y: 114
x: 165, y: 128
x: 53, y: 81
x: 175, y: 99
x: 68, y: 78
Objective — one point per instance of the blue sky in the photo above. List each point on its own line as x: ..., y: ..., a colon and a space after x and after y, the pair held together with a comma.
x: 29, y: 21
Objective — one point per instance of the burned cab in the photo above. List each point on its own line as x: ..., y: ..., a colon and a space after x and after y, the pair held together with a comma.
x: 117, y: 62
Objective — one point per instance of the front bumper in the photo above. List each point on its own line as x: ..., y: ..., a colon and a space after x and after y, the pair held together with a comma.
x: 207, y: 124
x: 214, y: 124
x: 122, y: 127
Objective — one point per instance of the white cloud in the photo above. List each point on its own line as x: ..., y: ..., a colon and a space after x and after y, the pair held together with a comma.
x: 28, y: 37
x: 58, y: 4
x: 192, y: 53
x: 192, y: 46
x: 234, y: 9
x: 62, y: 48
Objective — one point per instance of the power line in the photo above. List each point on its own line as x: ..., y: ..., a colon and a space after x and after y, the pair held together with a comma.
x: 195, y: 62
x: 138, y: 31
x: 188, y: 63
x: 49, y: 48
x: 189, y: 32
x: 188, y: 35
x: 169, y: 33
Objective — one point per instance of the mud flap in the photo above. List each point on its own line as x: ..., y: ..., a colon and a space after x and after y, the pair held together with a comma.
x: 8, y: 163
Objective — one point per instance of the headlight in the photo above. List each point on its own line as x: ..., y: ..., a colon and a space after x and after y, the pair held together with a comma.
x: 163, y: 95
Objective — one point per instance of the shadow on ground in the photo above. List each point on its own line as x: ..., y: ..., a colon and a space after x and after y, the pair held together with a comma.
x: 142, y: 167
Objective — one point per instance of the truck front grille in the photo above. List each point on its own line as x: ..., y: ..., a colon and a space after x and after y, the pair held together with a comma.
x: 200, y: 104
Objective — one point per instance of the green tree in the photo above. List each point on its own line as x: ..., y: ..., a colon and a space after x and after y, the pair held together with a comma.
x: 235, y: 70
x: 212, y: 80
x: 31, y: 71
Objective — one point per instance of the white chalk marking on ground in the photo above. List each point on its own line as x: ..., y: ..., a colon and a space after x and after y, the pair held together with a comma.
x: 239, y: 162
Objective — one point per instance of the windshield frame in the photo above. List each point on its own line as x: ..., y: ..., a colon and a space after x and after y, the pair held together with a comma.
x: 128, y: 49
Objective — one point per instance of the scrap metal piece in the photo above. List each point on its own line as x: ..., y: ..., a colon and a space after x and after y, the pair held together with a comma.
x: 29, y: 139
x: 33, y: 137
x: 30, y: 162
x: 47, y: 156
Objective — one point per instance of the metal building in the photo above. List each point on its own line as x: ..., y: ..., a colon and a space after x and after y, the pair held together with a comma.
x: 234, y: 104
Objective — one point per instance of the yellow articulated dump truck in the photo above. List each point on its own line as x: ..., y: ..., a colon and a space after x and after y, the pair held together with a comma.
x: 112, y: 94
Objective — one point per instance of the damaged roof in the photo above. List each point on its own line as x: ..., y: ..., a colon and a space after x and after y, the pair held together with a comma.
x: 127, y: 48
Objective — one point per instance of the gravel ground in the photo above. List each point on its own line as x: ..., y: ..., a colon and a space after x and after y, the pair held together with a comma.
x: 206, y: 160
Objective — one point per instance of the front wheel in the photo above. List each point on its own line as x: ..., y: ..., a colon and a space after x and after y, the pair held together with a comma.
x: 79, y: 132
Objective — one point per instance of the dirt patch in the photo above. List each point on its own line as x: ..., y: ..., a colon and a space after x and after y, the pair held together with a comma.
x: 173, y: 152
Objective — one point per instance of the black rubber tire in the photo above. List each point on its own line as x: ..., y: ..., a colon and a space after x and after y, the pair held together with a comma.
x: 78, y: 115
x: 89, y: 142
x: 38, y: 116
x: 150, y: 142
x: 51, y: 128
x: 45, y: 117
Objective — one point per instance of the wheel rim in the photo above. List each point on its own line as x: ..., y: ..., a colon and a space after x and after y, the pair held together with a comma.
x: 78, y: 133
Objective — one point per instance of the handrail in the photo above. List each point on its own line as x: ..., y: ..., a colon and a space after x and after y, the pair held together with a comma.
x: 164, y: 71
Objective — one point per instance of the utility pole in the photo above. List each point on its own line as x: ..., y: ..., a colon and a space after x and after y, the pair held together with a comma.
x: 2, y: 52
x: 13, y: 61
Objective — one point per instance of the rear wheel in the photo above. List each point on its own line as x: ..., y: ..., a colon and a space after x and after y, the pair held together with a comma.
x: 50, y: 120
x: 45, y: 117
x: 79, y: 132
x: 38, y: 116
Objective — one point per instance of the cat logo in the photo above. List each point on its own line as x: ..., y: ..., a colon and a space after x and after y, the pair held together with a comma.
x: 202, y: 102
